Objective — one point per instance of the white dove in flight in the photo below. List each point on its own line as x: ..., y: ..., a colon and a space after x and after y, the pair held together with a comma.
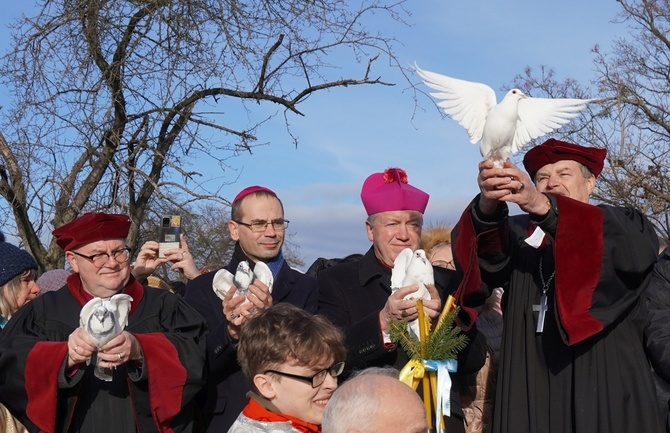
x: 500, y: 128
x: 412, y: 267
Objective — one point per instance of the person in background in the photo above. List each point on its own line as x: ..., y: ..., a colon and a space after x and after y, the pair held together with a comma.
x: 356, y: 295
x: 572, y: 357
x: 51, y: 280
x: 291, y: 360
x: 148, y: 260
x: 157, y: 360
x: 436, y: 242
x: 18, y: 270
x: 258, y: 227
x: 374, y: 402
x: 477, y: 389
x: 9, y: 424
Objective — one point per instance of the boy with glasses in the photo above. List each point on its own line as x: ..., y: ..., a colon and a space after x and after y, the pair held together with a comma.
x: 258, y: 227
x: 291, y: 360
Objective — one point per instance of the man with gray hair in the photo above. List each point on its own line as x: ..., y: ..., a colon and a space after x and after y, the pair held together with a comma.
x: 369, y: 403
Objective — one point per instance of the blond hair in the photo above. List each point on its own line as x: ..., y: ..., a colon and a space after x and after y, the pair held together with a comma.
x: 435, y: 236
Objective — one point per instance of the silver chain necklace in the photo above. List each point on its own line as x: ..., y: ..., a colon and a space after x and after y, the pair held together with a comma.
x: 545, y: 285
x: 542, y: 307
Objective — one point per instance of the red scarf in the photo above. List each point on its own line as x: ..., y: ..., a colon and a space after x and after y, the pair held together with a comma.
x: 255, y: 410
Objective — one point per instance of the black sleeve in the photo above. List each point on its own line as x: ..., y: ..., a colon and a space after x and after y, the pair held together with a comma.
x: 657, y: 327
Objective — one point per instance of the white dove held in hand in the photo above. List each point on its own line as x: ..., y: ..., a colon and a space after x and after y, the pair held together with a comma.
x: 223, y: 280
x: 501, y: 129
x: 412, y: 267
x: 103, y: 319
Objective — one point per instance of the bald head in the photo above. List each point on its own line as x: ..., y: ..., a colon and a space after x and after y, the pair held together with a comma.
x: 372, y: 403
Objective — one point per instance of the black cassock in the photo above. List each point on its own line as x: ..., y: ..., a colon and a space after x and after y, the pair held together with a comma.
x: 586, y: 372
x: 153, y: 396
x: 352, y: 294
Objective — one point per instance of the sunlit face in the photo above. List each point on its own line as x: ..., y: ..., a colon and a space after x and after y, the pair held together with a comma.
x: 393, y: 231
x: 297, y: 398
x: 565, y: 178
x: 261, y: 246
x: 107, y: 280
x: 442, y: 256
x: 27, y: 291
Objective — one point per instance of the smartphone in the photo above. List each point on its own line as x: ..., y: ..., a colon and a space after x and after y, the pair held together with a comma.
x: 169, y: 234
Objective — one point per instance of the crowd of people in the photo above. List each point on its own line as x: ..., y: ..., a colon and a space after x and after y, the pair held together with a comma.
x: 566, y: 307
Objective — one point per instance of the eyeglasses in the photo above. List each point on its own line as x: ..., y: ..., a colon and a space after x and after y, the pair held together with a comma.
x: 99, y: 260
x: 316, y: 380
x: 444, y: 264
x: 278, y: 225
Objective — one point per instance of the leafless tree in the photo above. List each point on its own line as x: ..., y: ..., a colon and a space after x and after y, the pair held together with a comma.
x: 631, y: 116
x: 116, y: 102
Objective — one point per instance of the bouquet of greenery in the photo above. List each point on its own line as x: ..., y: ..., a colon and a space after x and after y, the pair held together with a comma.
x: 432, y: 357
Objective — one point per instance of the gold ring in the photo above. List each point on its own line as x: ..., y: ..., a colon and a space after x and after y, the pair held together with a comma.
x: 404, y: 313
x: 119, y: 355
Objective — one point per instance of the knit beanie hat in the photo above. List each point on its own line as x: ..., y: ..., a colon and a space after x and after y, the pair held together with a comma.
x: 52, y: 280
x: 14, y: 261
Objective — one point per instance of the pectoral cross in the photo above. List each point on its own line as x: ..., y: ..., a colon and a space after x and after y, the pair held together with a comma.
x: 542, y: 308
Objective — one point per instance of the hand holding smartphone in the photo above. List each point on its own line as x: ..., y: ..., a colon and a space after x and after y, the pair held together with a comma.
x: 170, y: 232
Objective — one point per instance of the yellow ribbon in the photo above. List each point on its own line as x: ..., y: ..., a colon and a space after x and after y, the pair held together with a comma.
x: 412, y: 373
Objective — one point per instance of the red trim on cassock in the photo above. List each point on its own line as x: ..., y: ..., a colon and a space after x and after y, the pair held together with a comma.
x: 133, y: 288
x: 578, y: 252
x: 465, y: 254
x: 166, y: 376
x: 41, y: 370
x: 41, y: 376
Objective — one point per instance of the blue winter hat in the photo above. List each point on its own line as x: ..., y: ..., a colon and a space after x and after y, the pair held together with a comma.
x: 14, y: 261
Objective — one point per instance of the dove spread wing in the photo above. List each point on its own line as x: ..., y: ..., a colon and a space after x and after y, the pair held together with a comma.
x: 121, y: 306
x: 264, y: 274
x: 540, y: 116
x: 466, y: 102
x: 87, y: 311
x: 118, y: 306
x: 223, y: 279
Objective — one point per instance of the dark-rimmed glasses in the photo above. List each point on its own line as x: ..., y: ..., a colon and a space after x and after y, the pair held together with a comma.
x: 260, y: 226
x: 444, y: 264
x: 99, y: 260
x: 316, y: 380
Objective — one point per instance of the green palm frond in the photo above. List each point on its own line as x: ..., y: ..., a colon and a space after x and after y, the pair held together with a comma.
x: 442, y: 343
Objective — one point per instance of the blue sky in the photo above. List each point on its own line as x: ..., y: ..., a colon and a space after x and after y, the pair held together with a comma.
x: 347, y: 134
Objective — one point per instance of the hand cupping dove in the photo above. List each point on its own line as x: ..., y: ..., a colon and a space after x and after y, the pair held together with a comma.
x: 412, y: 267
x: 243, y: 278
x: 104, y: 319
